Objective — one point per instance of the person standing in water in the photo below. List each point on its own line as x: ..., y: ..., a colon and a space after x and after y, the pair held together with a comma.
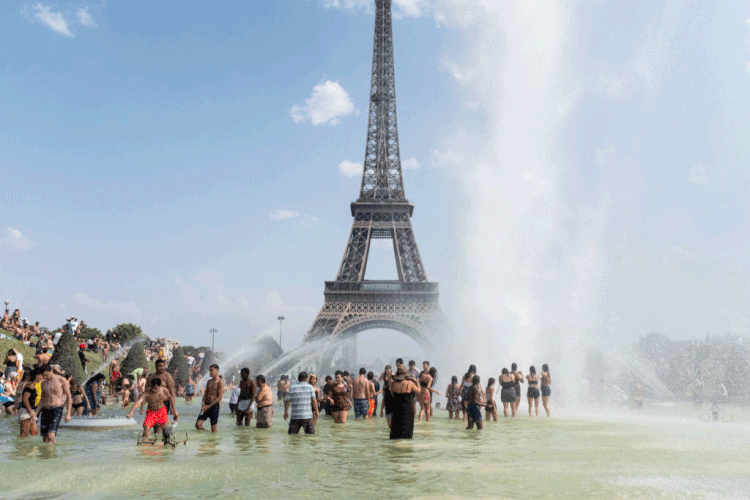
x: 211, y: 400
x: 491, y: 406
x: 508, y: 392
x: 245, y: 400
x: 189, y: 390
x: 533, y: 392
x: 475, y: 403
x: 313, y: 380
x: 264, y: 403
x: 55, y: 389
x: 385, y: 377
x: 546, y: 381
x: 156, y: 398
x: 518, y: 375
x: 339, y: 398
x: 466, y: 384
x: 114, y: 376
x: 403, y: 390
x: 362, y: 390
x: 167, y: 380
x: 301, y: 396
x: 453, y: 397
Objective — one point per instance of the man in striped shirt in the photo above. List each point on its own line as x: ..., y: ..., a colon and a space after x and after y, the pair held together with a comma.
x: 304, y: 404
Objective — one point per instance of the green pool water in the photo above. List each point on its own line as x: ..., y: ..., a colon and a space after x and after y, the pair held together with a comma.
x: 666, y: 453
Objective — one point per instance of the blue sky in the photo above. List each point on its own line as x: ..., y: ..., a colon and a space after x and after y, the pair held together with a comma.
x: 580, y: 169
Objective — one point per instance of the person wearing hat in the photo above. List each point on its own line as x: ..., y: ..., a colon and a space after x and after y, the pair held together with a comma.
x: 403, y: 391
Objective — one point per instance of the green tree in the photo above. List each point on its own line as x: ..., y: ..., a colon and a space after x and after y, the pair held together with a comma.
x: 178, y: 367
x: 127, y: 332
x: 208, y: 360
x: 88, y: 332
x: 66, y: 355
x: 135, y: 359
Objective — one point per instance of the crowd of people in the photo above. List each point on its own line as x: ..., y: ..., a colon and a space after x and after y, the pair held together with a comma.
x: 401, y: 396
x: 19, y: 327
x: 403, y: 391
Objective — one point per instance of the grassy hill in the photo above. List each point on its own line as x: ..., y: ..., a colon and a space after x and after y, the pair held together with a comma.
x: 94, y: 361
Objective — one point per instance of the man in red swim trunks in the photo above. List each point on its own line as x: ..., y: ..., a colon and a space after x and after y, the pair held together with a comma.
x: 156, y: 416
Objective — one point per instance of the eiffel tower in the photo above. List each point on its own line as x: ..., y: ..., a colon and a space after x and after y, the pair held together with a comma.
x: 409, y: 304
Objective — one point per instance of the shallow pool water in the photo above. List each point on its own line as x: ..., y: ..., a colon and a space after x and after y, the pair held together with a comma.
x: 665, y: 453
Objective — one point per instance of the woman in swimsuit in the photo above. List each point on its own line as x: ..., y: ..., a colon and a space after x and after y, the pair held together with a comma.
x: 466, y: 384
x: 80, y: 400
x: 314, y: 383
x: 546, y: 391
x: 508, y: 392
x: 433, y: 374
x: 533, y: 392
x: 519, y: 380
x: 339, y: 400
x: 27, y: 413
x: 491, y: 406
x: 189, y: 390
x: 425, y: 401
x: 385, y: 379
x: 453, y: 396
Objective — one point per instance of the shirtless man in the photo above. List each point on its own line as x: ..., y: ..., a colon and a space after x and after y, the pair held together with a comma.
x: 363, y: 391
x: 127, y: 390
x: 156, y: 397
x: 42, y: 358
x: 245, y: 401
x: 264, y: 402
x: 54, y: 388
x: 211, y: 399
x: 114, y: 376
x: 166, y: 380
x: 282, y: 387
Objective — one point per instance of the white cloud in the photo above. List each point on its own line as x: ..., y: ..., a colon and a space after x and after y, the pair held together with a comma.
x: 409, y: 8
x: 698, y: 175
x: 604, y: 156
x: 346, y: 4
x: 280, y: 214
x: 275, y: 305
x: 311, y: 218
x: 53, y: 20
x: 125, y: 309
x: 682, y: 251
x: 85, y: 17
x: 410, y: 164
x: 350, y: 168
x: 14, y: 239
x: 327, y: 103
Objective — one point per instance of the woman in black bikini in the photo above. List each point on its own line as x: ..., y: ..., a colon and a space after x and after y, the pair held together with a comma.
x: 80, y: 401
x: 508, y: 392
x: 546, y: 391
x: 519, y: 380
x: 491, y: 406
x: 533, y: 392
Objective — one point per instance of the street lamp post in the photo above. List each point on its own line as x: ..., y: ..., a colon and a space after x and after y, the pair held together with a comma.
x: 213, y: 338
x: 281, y: 320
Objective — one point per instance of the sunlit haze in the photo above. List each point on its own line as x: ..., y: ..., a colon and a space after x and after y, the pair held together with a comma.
x: 580, y: 170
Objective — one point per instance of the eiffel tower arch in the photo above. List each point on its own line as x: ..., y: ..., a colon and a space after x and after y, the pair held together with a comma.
x: 410, y: 303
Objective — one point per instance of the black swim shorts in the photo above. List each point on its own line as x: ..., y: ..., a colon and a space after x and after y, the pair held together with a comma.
x: 211, y: 414
x: 50, y: 419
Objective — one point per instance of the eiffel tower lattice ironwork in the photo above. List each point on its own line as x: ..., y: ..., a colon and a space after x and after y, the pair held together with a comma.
x: 409, y: 304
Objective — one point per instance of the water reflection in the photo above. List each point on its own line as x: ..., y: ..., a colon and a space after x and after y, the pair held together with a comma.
x: 208, y: 448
